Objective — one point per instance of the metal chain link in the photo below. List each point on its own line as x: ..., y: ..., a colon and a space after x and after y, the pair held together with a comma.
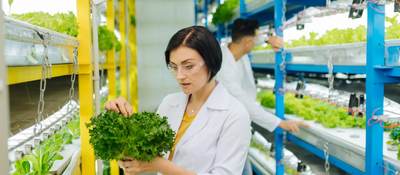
x: 71, y: 94
x: 43, y: 83
x: 284, y: 137
x: 331, y: 78
x: 284, y: 133
x: 283, y: 19
x: 282, y: 68
x: 326, y: 154
x: 102, y: 77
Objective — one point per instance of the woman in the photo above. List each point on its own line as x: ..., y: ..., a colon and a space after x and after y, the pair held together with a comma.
x: 212, y: 127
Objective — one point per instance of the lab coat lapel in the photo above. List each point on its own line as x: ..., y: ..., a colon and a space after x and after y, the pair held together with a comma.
x: 213, y: 103
x: 199, y: 123
x: 177, y: 114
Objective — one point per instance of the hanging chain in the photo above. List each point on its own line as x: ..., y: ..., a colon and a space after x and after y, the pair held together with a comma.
x: 326, y: 154
x: 282, y: 68
x: 331, y: 78
x: 71, y: 94
x: 283, y: 19
x: 102, y: 77
x: 45, y: 72
x: 284, y: 136
x: 282, y: 65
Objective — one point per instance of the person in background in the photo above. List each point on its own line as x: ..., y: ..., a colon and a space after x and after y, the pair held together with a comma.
x: 237, y: 76
x: 212, y: 127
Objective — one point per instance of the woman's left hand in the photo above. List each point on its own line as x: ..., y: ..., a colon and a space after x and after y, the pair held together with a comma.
x: 133, y: 167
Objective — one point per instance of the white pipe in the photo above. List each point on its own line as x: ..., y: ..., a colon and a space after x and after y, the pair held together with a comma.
x: 95, y: 57
x: 4, y: 114
x: 127, y: 49
x: 96, y: 78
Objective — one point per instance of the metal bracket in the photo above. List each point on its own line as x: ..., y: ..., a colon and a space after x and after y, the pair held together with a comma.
x: 97, y: 2
x: 389, y: 75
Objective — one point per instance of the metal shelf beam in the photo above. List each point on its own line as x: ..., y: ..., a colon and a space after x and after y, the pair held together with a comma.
x: 323, y: 69
x: 21, y: 74
x: 320, y: 153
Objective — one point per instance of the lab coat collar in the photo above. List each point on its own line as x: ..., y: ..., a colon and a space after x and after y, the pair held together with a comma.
x: 215, y: 102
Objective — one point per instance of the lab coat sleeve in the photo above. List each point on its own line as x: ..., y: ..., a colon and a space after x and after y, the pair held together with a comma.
x: 232, y: 146
x: 257, y: 113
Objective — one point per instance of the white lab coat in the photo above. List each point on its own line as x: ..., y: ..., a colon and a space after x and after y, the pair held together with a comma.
x: 217, y: 141
x: 237, y: 77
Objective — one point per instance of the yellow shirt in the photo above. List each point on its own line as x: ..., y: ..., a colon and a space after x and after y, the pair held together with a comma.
x: 186, y: 121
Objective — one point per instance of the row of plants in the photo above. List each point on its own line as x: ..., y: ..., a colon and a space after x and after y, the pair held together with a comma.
x: 308, y: 108
x: 67, y: 23
x: 60, y: 22
x: 341, y: 36
x: 328, y: 115
x: 42, y: 158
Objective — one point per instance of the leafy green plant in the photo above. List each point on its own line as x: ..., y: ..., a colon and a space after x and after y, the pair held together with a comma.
x: 395, y: 136
x: 73, y: 127
x: 398, y: 152
x: 259, y: 146
x: 142, y: 136
x: 225, y: 12
x: 60, y: 22
x: 10, y: 2
x: 107, y: 40
x: 43, y: 157
x: 395, y: 139
x: 117, y: 43
x: 133, y: 20
x: 22, y: 167
x: 314, y: 109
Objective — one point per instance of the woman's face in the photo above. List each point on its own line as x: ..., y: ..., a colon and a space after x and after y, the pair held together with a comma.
x: 189, y: 69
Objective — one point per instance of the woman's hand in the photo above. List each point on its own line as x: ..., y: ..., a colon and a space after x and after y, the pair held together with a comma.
x: 159, y: 164
x: 133, y: 167
x: 119, y: 105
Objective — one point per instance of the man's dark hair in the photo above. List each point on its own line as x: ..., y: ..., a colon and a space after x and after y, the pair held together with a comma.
x: 201, y: 40
x: 243, y: 27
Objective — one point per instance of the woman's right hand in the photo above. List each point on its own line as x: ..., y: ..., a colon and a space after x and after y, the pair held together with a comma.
x: 119, y: 105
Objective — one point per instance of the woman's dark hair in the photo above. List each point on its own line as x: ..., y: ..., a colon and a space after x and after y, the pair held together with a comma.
x: 201, y: 40
x: 243, y: 27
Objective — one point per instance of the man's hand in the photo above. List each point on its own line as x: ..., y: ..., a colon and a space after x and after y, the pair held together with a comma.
x: 276, y: 43
x: 292, y: 125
